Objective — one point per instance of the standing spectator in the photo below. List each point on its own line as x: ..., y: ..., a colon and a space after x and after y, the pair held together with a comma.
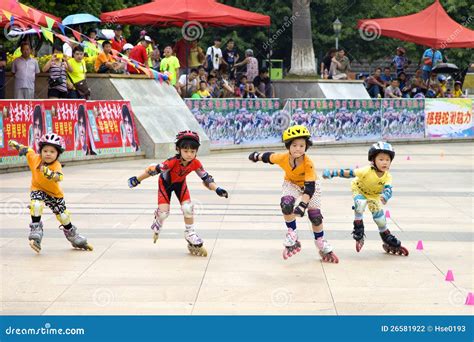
x: 203, y: 91
x: 375, y: 85
x: 387, y: 76
x: 252, y: 65
x: 326, y: 63
x: 3, y: 64
x: 25, y: 68
x: 188, y: 84
x: 155, y: 58
x: 393, y: 91
x: 340, y: 65
x: 214, y: 55
x: 417, y: 85
x: 263, y: 84
x: 430, y: 58
x: 196, y: 55
x: 139, y: 55
x: 67, y: 48
x: 171, y: 64
x: 400, y: 61
x: 105, y: 62
x: 403, y: 84
x: 118, y: 41
x: 77, y: 84
x: 230, y: 57
x: 90, y: 45
x: 57, y: 67
x: 181, y: 50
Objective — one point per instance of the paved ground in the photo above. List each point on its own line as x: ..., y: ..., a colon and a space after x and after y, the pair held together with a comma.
x: 244, y: 272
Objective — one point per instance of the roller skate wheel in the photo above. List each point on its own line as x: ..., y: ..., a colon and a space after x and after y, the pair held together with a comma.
x: 89, y: 248
x: 155, y: 237
x: 35, y: 246
x: 359, y: 245
x: 285, y: 254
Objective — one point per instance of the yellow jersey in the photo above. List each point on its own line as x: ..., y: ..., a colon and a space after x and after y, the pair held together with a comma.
x: 368, y: 183
x: 38, y: 180
x: 298, y: 175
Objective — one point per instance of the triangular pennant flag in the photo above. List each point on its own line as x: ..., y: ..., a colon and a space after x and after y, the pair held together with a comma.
x: 47, y: 34
x: 77, y: 35
x: 25, y: 8
x: 64, y: 39
x: 7, y: 14
x: 49, y: 21
x: 36, y: 16
x: 61, y: 27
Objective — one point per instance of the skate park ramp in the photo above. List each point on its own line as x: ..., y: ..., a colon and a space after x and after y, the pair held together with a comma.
x: 160, y: 114
x: 320, y: 89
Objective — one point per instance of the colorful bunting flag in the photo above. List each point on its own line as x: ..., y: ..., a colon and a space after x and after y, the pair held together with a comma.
x: 7, y: 14
x: 77, y: 35
x: 61, y: 27
x: 36, y: 16
x: 47, y: 34
x: 49, y: 21
x: 25, y: 8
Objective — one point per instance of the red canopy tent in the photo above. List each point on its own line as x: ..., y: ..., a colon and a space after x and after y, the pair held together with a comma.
x: 178, y: 12
x: 431, y: 27
x: 23, y: 15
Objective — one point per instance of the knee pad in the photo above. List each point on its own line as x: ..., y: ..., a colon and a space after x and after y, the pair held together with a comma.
x: 379, y: 219
x: 287, y: 205
x: 64, y: 218
x: 161, y: 215
x: 36, y: 207
x: 188, y: 209
x: 360, y: 203
x: 315, y: 216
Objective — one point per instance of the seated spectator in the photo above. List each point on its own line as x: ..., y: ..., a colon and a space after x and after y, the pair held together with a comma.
x: 400, y: 62
x: 203, y: 91
x: 247, y: 89
x: 155, y: 58
x: 228, y: 88
x: 457, y: 89
x: 202, y: 74
x: 105, y: 62
x: 386, y: 77
x: 326, y: 63
x: 433, y: 85
x: 214, y: 89
x: 392, y: 91
x: 187, y: 85
x: 443, y: 86
x: 375, y: 85
x: 417, y: 85
x: 263, y: 84
x: 403, y: 84
x: 340, y: 66
x: 57, y: 67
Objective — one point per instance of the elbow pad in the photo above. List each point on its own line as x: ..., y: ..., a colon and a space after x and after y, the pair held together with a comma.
x: 266, y: 157
x: 207, y: 179
x: 153, y: 169
x: 309, y: 188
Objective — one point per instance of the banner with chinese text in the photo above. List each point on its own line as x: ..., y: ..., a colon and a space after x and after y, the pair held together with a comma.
x: 449, y: 118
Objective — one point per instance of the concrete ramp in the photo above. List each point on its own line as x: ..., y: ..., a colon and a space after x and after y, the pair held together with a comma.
x: 343, y: 90
x: 160, y: 113
x: 320, y: 89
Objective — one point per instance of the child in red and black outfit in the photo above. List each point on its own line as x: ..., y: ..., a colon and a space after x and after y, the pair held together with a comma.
x: 173, y: 172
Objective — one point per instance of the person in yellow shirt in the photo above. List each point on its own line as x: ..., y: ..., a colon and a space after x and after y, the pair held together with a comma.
x: 171, y: 64
x: 46, y: 173
x: 203, y: 91
x: 300, y: 181
x: 372, y: 187
x: 457, y: 89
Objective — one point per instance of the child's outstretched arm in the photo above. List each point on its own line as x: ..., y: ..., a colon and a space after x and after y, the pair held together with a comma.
x: 343, y: 173
x: 264, y: 157
x: 209, y: 183
x: 152, y: 170
x: 22, y: 149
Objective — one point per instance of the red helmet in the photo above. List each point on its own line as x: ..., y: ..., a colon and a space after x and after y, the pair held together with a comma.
x: 53, y: 139
x: 187, y: 135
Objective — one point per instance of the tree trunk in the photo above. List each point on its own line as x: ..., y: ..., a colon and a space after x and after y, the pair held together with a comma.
x: 302, y: 53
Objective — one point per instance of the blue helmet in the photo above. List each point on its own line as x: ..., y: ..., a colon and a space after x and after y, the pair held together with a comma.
x: 380, y: 147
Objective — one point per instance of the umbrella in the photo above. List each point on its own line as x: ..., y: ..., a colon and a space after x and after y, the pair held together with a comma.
x: 80, y: 18
x: 445, y: 68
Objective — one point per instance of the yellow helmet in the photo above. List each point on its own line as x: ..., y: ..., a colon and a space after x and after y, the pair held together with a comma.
x: 297, y: 131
